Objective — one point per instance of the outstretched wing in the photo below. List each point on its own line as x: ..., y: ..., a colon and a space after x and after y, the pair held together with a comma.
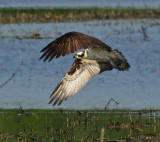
x: 79, y: 74
x: 69, y: 43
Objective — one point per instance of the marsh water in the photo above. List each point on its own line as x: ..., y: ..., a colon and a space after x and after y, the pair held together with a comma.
x: 138, y: 88
x: 86, y: 3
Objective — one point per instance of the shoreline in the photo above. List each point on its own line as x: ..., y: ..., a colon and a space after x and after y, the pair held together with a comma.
x: 40, y: 15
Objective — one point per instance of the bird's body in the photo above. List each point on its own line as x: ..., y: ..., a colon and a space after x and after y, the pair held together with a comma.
x: 96, y: 58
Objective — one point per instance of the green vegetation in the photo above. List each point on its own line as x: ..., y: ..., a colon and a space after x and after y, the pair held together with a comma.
x: 22, y: 15
x: 65, y: 125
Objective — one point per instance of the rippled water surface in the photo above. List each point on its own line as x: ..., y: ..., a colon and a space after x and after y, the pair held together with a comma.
x: 82, y: 3
x: 137, y: 88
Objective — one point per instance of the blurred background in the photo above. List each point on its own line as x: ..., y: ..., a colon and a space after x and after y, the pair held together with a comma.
x: 87, y: 3
x: 132, y: 27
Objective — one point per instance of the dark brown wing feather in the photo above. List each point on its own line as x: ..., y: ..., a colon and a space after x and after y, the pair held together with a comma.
x: 69, y: 43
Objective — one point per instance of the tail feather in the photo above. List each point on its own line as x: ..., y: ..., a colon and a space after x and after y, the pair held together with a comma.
x: 120, y: 62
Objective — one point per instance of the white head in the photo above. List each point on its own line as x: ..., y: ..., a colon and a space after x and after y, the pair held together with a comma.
x: 81, y: 55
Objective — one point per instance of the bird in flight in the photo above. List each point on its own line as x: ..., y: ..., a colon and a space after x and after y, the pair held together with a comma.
x: 96, y: 58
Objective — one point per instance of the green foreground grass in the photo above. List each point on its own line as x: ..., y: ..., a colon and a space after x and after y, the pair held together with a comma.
x: 67, y: 125
x: 23, y: 15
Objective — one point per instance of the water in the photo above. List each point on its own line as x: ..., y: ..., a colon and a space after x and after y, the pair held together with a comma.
x: 84, y: 3
x: 137, y: 88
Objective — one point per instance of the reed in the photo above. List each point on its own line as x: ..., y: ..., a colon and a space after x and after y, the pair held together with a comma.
x: 29, y: 15
x: 72, y: 125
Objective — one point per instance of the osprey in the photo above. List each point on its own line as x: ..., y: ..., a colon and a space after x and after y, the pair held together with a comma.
x: 96, y: 58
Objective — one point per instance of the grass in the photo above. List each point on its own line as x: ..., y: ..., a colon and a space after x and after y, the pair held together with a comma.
x: 25, y: 15
x: 69, y: 125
